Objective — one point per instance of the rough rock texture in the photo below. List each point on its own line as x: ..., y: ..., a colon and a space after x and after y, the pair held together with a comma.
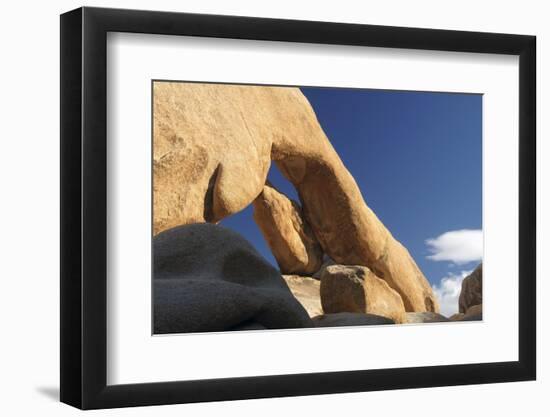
x: 474, y: 313
x: 248, y: 326
x: 356, y: 289
x: 473, y: 317
x: 326, y: 262
x: 213, y: 148
x: 425, y: 317
x: 211, y: 153
x: 350, y: 319
x: 471, y: 293
x: 208, y: 278
x: 306, y: 291
x: 290, y: 238
x: 477, y: 309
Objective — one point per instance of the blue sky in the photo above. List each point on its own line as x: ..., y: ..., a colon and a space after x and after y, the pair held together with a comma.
x: 416, y: 157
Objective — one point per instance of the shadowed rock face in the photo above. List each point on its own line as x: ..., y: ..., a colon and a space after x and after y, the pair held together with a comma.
x: 471, y: 293
x: 474, y: 313
x: 350, y: 319
x: 213, y: 148
x: 208, y: 278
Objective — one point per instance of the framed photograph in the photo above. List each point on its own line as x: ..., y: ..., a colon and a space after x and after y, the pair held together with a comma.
x: 257, y: 208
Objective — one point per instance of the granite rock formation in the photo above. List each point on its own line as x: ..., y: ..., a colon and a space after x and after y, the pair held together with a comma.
x: 208, y: 278
x: 350, y: 319
x: 326, y: 262
x: 288, y: 235
x: 213, y: 147
x: 425, y: 317
x: 474, y: 313
x: 307, y: 291
x: 356, y: 289
x: 471, y: 293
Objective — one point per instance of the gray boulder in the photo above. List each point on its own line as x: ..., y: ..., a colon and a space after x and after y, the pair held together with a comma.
x: 473, y: 317
x: 350, y: 319
x: 425, y: 317
x: 249, y: 326
x: 209, y: 278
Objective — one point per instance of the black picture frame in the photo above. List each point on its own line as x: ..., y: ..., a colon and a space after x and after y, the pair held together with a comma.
x: 84, y: 207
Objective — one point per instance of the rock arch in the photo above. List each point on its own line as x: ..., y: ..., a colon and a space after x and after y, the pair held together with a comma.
x: 233, y: 133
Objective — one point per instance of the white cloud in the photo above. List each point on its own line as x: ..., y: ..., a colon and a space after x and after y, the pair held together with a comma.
x: 448, y: 292
x: 457, y: 246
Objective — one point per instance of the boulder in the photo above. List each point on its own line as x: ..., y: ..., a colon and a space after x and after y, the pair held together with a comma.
x: 213, y: 145
x: 474, y: 313
x: 477, y: 309
x: 471, y: 293
x: 248, y: 326
x: 473, y: 317
x: 208, y: 278
x: 350, y: 319
x: 425, y: 317
x: 307, y: 291
x: 288, y: 235
x: 356, y: 289
x: 326, y: 262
